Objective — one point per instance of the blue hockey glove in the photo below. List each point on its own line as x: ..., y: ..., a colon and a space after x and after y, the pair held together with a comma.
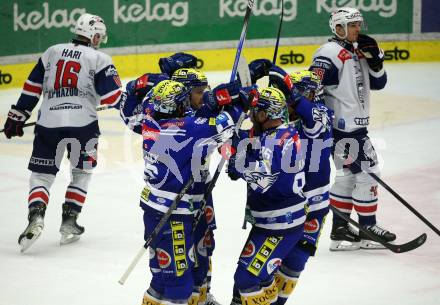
x: 223, y: 95
x: 281, y: 80
x: 177, y: 61
x: 259, y: 68
x: 15, y: 122
x: 371, y: 51
x: 140, y: 86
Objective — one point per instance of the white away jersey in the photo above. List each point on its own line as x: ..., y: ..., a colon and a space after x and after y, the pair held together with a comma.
x: 74, y: 79
x: 346, y: 80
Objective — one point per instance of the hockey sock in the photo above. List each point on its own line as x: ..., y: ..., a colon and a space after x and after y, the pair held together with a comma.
x: 151, y: 298
x: 203, y: 293
x: 195, y: 296
x: 286, y: 284
x: 77, y: 190
x: 39, y: 185
x: 254, y: 298
x: 270, y: 291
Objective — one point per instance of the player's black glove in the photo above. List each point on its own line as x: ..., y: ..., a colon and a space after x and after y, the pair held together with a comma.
x: 177, y: 61
x: 259, y: 68
x: 15, y: 122
x: 371, y: 51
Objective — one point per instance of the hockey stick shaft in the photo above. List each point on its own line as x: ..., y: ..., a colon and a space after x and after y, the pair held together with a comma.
x: 156, y: 230
x: 99, y: 108
x: 395, y: 194
x: 411, y: 245
x: 405, y: 203
x: 242, y: 39
x: 275, y: 53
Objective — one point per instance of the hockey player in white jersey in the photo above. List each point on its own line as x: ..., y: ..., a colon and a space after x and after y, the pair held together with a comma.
x: 350, y: 65
x: 74, y: 78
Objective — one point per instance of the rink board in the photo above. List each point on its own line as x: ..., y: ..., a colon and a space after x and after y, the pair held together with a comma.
x: 222, y: 59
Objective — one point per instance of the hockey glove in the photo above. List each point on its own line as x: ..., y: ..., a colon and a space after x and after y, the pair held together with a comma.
x: 222, y: 95
x: 143, y: 84
x: 371, y: 51
x: 281, y: 80
x: 259, y: 68
x: 177, y: 61
x: 15, y: 122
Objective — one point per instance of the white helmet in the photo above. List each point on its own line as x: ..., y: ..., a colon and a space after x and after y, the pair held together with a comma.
x: 344, y: 15
x: 88, y: 26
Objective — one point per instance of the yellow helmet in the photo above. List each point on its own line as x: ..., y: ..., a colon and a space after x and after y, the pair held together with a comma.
x: 190, y: 77
x: 167, y: 95
x: 272, y: 101
x: 305, y: 81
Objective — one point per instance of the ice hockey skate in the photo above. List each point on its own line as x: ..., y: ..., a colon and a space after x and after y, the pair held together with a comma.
x: 34, y: 228
x: 70, y: 230
x: 210, y: 300
x: 344, y: 238
x: 385, y: 235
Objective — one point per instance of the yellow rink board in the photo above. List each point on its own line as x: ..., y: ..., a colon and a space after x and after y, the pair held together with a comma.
x: 222, y: 59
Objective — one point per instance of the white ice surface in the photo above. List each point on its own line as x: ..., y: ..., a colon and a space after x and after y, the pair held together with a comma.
x: 87, y: 272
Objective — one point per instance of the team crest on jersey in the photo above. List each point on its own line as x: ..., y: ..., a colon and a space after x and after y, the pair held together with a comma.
x: 163, y: 257
x: 248, y: 250
x: 311, y: 226
x: 344, y: 55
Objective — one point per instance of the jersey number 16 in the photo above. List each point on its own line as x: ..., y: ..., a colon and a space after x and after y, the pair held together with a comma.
x: 67, y: 74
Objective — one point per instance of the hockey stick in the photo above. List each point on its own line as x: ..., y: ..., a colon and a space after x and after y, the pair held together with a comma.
x: 99, y: 108
x: 274, y: 60
x: 245, y: 78
x: 166, y: 216
x: 411, y: 245
x: 156, y: 230
x: 242, y: 38
x: 395, y: 194
x: 404, y: 202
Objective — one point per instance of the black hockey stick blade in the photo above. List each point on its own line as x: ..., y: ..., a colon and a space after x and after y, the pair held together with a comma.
x: 396, y: 248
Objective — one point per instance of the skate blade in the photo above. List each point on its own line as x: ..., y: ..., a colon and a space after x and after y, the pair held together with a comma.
x: 68, y: 239
x: 26, y: 243
x: 371, y: 245
x: 343, y: 245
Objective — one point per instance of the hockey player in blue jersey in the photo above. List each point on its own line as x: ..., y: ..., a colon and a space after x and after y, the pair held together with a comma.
x: 350, y: 65
x: 174, y: 149
x: 313, y: 121
x: 274, y: 171
x: 73, y: 78
x: 204, y: 242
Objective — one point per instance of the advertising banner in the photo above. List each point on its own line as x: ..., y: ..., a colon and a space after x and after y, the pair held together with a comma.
x: 32, y: 26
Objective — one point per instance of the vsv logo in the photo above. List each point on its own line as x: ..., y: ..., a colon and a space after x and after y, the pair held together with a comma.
x: 35, y: 20
x: 176, y: 12
x: 232, y: 8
